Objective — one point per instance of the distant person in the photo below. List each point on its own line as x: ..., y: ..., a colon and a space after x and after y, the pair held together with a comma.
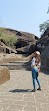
x: 35, y: 66
x: 9, y: 43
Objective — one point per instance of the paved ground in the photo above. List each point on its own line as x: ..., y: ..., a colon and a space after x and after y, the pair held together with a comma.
x: 17, y: 95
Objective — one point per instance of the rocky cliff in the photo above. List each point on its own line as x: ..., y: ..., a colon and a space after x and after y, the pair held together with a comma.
x: 18, y: 40
x: 43, y: 46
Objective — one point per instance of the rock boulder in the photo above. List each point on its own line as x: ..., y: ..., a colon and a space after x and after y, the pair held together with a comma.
x: 4, y: 74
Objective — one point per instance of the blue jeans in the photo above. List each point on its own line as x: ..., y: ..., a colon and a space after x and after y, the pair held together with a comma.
x: 34, y: 85
x: 35, y: 77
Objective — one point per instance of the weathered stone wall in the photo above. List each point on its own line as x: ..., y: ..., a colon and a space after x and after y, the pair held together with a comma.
x: 6, y: 49
x: 45, y: 59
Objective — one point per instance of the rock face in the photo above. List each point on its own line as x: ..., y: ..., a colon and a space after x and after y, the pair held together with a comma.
x: 21, y: 39
x: 32, y: 47
x: 29, y: 49
x: 26, y: 45
x: 46, y: 33
x: 45, y: 59
x: 43, y: 46
x: 4, y: 75
x: 20, y: 43
x: 23, y: 50
x: 43, y: 41
x: 24, y: 40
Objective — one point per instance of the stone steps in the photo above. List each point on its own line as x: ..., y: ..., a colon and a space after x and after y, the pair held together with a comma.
x: 16, y: 65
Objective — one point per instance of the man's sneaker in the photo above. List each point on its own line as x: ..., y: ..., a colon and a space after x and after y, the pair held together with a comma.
x: 39, y: 88
x: 34, y: 90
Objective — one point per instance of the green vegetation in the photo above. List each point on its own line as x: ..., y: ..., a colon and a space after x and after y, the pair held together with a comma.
x: 7, y: 37
x: 44, y: 26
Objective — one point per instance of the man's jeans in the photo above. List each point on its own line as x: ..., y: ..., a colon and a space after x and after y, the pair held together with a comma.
x: 35, y: 77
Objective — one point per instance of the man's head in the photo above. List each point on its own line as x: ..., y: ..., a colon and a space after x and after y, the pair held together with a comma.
x: 36, y: 53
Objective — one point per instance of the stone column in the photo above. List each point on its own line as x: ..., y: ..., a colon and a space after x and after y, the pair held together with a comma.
x: 10, y: 51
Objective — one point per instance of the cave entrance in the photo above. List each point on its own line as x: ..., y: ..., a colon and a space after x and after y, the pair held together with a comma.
x: 7, y: 50
x: 18, y: 45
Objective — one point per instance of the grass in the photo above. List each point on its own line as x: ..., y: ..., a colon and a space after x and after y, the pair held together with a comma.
x: 6, y: 37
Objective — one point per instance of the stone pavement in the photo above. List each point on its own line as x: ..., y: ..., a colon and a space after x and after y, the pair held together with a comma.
x: 17, y: 95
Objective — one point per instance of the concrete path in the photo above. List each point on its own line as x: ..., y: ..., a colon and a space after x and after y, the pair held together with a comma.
x: 17, y: 95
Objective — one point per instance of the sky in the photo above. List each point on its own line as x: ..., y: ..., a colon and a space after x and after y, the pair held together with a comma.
x: 24, y: 15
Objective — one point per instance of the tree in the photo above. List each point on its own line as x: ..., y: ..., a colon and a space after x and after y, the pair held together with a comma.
x: 44, y: 26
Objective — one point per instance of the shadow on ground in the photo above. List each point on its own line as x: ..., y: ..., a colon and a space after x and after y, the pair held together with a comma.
x: 20, y: 90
